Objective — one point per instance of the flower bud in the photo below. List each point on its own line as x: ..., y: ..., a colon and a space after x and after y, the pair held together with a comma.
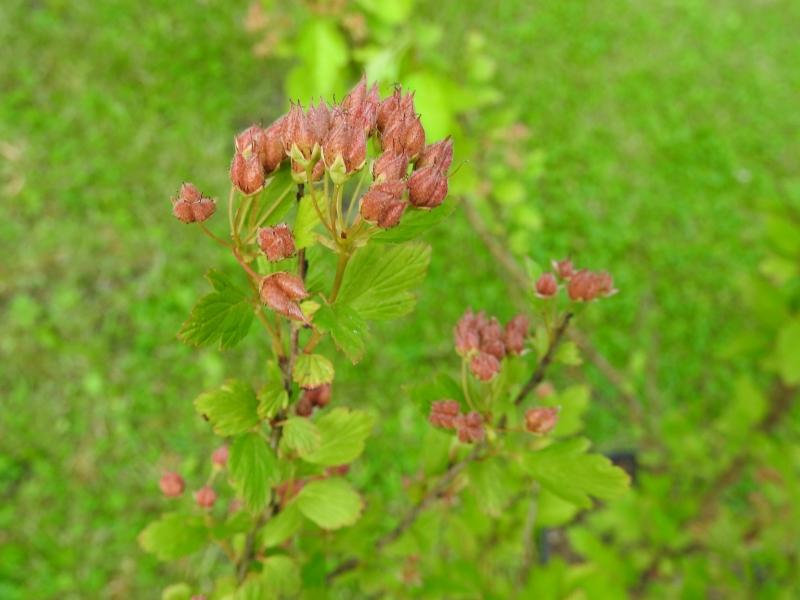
x: 247, y: 173
x: 319, y: 121
x: 439, y: 155
x: 546, y: 285
x: 492, y: 335
x: 276, y: 242
x: 281, y: 292
x: 191, y: 206
x: 253, y: 139
x: 545, y: 390
x: 484, y: 366
x: 470, y: 427
x: 563, y: 268
x: 205, y: 497
x: 541, y: 420
x: 390, y: 167
x: 515, y: 334
x: 361, y: 106
x: 318, y: 396
x: 220, y: 456
x: 427, y: 187
x: 171, y: 484
x: 404, y: 135
x: 183, y: 211
x: 189, y: 193
x: 298, y: 138
x: 274, y: 154
x: 466, y: 334
x: 383, y: 203
x: 443, y: 414
x: 203, y: 209
x: 587, y: 286
x: 395, y: 107
x: 344, y: 151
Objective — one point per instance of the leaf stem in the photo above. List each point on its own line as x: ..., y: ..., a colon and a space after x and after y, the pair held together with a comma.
x: 344, y: 257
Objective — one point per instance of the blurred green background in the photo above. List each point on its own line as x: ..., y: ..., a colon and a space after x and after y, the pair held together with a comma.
x: 652, y: 134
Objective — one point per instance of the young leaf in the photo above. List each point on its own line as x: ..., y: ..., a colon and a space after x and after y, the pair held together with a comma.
x: 254, y: 469
x: 569, y: 354
x: 231, y: 409
x: 330, y: 503
x: 379, y: 278
x: 271, y: 399
x: 312, y: 370
x: 300, y: 435
x: 173, y: 536
x: 281, y: 527
x: 177, y: 591
x: 281, y: 576
x: 346, y: 326
x: 222, y: 317
x: 566, y: 470
x: 342, y: 436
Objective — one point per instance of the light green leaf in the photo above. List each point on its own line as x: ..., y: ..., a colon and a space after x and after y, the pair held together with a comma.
x: 566, y: 470
x: 254, y: 469
x: 222, y: 317
x: 330, y: 503
x: 573, y: 402
x: 346, y: 327
x: 787, y: 352
x: 415, y: 222
x: 343, y: 433
x: 312, y: 370
x: 390, y: 11
x: 173, y: 536
x: 300, y: 435
x: 379, y: 278
x: 231, y: 409
x: 272, y: 399
x: 307, y: 220
x: 177, y: 591
x: 281, y: 527
x: 568, y: 354
x: 281, y: 576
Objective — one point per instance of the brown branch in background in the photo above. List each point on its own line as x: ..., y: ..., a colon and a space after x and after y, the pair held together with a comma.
x: 541, y: 369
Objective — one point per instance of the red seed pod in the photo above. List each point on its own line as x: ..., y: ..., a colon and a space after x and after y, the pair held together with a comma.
x: 546, y: 285
x: 304, y: 407
x: 583, y: 286
x: 541, y: 419
x: 253, y: 139
x: 355, y: 97
x: 297, y: 132
x: 484, y: 366
x: 189, y: 193
x: 319, y: 121
x: 439, y: 155
x: 345, y: 144
x: 274, y: 153
x: 605, y: 284
x: 281, y: 291
x: 171, y: 484
x: 220, y: 456
x: 404, y: 135
x: 563, y: 268
x: 319, y: 396
x: 383, y: 203
x: 183, y: 211
x: 470, y: 427
x: 276, y: 242
x: 515, y: 334
x: 394, y: 107
x: 427, y: 188
x: 443, y: 414
x: 247, y: 173
x: 205, y: 497
x: 467, y: 333
x: 203, y: 209
x: 390, y: 167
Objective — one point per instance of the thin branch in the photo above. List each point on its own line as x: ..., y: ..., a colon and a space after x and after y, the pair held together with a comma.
x: 538, y: 375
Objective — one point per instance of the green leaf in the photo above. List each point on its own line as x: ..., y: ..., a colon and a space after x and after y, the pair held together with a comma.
x: 279, y: 578
x: 787, y: 352
x: 307, y: 221
x: 281, y: 527
x: 254, y: 469
x: 300, y: 435
x: 272, y: 399
x: 566, y: 470
x: 222, y: 317
x: 177, y: 591
x: 346, y: 327
x: 173, y: 536
x: 312, y: 370
x: 573, y: 402
x: 379, y: 278
x: 568, y: 354
x: 343, y: 433
x: 330, y: 503
x: 231, y: 409
x: 415, y: 222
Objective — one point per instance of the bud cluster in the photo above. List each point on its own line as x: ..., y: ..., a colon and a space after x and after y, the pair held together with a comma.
x: 191, y: 206
x: 317, y: 397
x: 446, y: 414
x: 541, y: 419
x: 276, y: 242
x: 486, y: 343
x: 282, y: 292
x: 582, y: 285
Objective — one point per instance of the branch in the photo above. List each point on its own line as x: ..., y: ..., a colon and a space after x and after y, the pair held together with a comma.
x: 538, y: 375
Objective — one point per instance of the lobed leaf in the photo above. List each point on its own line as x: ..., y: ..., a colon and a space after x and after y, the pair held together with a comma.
x: 231, y: 409
x: 174, y: 536
x: 301, y: 435
x: 346, y: 326
x: 312, y: 370
x: 330, y: 503
x: 254, y: 469
x: 342, y: 436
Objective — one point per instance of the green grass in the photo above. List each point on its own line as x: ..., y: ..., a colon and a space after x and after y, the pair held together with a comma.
x: 662, y: 125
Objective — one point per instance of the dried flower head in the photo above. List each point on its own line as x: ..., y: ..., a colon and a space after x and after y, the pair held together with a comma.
x: 404, y: 135
x: 247, y: 173
x: 484, y: 366
x: 516, y: 333
x: 427, y: 187
x: 276, y: 242
x: 546, y: 285
x: 466, y: 334
x: 585, y: 286
x: 281, y: 292
x: 298, y: 137
x: 470, y: 427
x: 390, y: 167
x: 344, y: 150
x: 439, y: 155
x: 394, y: 107
x: 563, y: 268
x: 443, y: 414
x: 383, y: 203
x: 541, y: 419
x: 191, y: 206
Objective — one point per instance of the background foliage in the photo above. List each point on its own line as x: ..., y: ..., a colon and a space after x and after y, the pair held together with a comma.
x: 651, y: 140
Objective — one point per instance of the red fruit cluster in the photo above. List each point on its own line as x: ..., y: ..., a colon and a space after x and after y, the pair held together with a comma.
x: 276, y: 242
x: 259, y: 152
x: 171, y: 484
x: 446, y: 414
x: 582, y: 285
x: 485, y: 342
x: 282, y: 292
x: 317, y: 397
x: 541, y: 419
x: 191, y: 206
